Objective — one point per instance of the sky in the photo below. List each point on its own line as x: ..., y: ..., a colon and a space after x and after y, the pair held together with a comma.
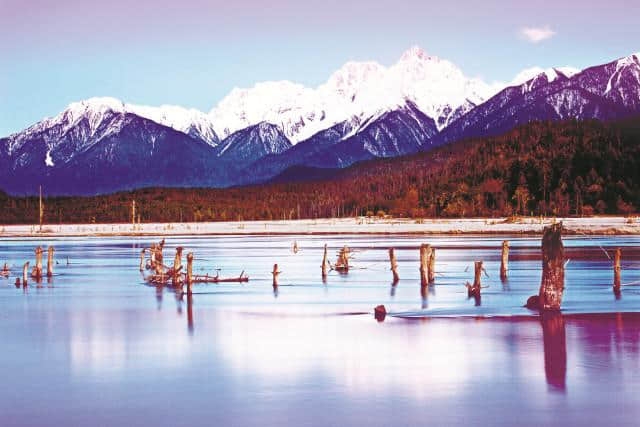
x: 193, y: 52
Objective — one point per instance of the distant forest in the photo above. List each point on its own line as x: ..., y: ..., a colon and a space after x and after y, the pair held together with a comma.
x: 542, y: 168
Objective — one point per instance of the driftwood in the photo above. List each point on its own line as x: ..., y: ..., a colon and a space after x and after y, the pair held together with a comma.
x: 552, y: 285
x: 50, y: 251
x: 216, y: 279
x: 394, y: 265
x: 504, y: 264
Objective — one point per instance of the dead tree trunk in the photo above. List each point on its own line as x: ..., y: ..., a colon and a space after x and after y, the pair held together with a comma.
x: 504, y: 265
x: 324, y: 264
x: 425, y: 255
x: 189, y: 271
x: 394, y: 265
x: 432, y: 266
x: 552, y: 285
x: 177, y: 266
x: 616, y: 270
x: 474, y: 290
x: 50, y: 251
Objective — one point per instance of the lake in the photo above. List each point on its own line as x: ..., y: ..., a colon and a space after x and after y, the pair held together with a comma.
x: 96, y: 345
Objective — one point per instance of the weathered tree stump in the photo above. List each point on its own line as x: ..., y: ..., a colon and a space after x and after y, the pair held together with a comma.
x: 504, y: 265
x: 25, y: 273
x: 616, y: 270
x: 324, y: 264
x: 37, y: 270
x: 50, y: 251
x: 474, y: 290
x: 432, y: 266
x: 380, y: 312
x: 425, y: 255
x: 177, y: 266
x: 275, y: 274
x: 394, y: 265
x: 342, y: 264
x: 552, y: 284
x: 142, y: 259
x: 189, y: 271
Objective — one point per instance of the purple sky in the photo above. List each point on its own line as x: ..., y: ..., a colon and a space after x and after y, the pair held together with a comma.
x: 193, y: 52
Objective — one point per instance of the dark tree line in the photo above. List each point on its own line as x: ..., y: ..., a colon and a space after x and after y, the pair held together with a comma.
x: 542, y: 168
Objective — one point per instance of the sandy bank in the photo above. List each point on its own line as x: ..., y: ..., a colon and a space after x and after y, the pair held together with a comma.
x: 591, y: 226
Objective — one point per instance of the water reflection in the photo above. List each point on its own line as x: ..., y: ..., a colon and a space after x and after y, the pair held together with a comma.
x: 555, y: 350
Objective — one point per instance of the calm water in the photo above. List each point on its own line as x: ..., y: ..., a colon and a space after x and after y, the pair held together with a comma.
x: 97, y: 346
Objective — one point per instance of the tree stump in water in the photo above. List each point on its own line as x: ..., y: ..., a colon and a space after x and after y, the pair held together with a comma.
x: 142, y: 259
x: 504, y: 265
x: 50, y: 251
x: 394, y: 265
x: 380, y: 312
x: 177, y: 266
x: 552, y: 284
x: 616, y: 270
x: 275, y: 274
x: 25, y: 273
x: 37, y: 270
x: 189, y: 271
x: 432, y: 266
x: 324, y: 264
x: 474, y: 290
x: 425, y: 255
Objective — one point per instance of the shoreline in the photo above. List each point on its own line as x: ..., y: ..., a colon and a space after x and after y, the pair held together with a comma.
x: 593, y: 226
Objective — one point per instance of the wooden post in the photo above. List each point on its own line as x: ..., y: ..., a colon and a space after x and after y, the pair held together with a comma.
x: 504, y: 265
x: 275, y: 274
x: 616, y: 270
x: 25, y: 273
x: 474, y: 290
x: 432, y: 266
x: 424, y: 264
x: 177, y: 266
x: 394, y: 265
x: 345, y: 256
x: 142, y: 259
x: 189, y: 271
x: 50, y: 251
x: 552, y: 284
x: 324, y: 263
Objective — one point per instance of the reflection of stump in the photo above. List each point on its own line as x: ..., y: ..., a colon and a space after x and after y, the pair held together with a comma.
x: 394, y: 265
x: 555, y: 349
x: 432, y: 266
x: 616, y: 270
x: 504, y: 265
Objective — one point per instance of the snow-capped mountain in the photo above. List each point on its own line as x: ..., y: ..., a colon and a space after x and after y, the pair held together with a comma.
x: 603, y: 92
x: 252, y: 143
x: 357, y: 90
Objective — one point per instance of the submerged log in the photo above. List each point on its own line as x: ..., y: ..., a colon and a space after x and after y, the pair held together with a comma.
x: 432, y: 266
x: 394, y: 265
x: 50, y: 251
x: 552, y: 284
x: 616, y: 270
x: 504, y: 265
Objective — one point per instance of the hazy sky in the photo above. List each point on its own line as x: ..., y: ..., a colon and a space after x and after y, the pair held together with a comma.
x: 193, y: 52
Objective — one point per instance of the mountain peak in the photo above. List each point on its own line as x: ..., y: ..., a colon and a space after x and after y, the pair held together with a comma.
x: 416, y: 53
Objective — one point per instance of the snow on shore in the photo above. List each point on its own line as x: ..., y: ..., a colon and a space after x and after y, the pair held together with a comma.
x: 591, y: 226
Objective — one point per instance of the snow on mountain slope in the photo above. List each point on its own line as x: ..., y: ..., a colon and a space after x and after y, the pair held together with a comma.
x: 551, y: 73
x: 357, y: 90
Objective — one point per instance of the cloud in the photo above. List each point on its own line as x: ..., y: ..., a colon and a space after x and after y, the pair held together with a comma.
x: 537, y: 34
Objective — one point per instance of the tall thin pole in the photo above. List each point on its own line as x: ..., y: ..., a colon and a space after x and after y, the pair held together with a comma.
x: 41, y: 208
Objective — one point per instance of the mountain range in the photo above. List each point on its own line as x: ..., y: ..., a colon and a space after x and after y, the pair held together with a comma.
x: 364, y: 111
